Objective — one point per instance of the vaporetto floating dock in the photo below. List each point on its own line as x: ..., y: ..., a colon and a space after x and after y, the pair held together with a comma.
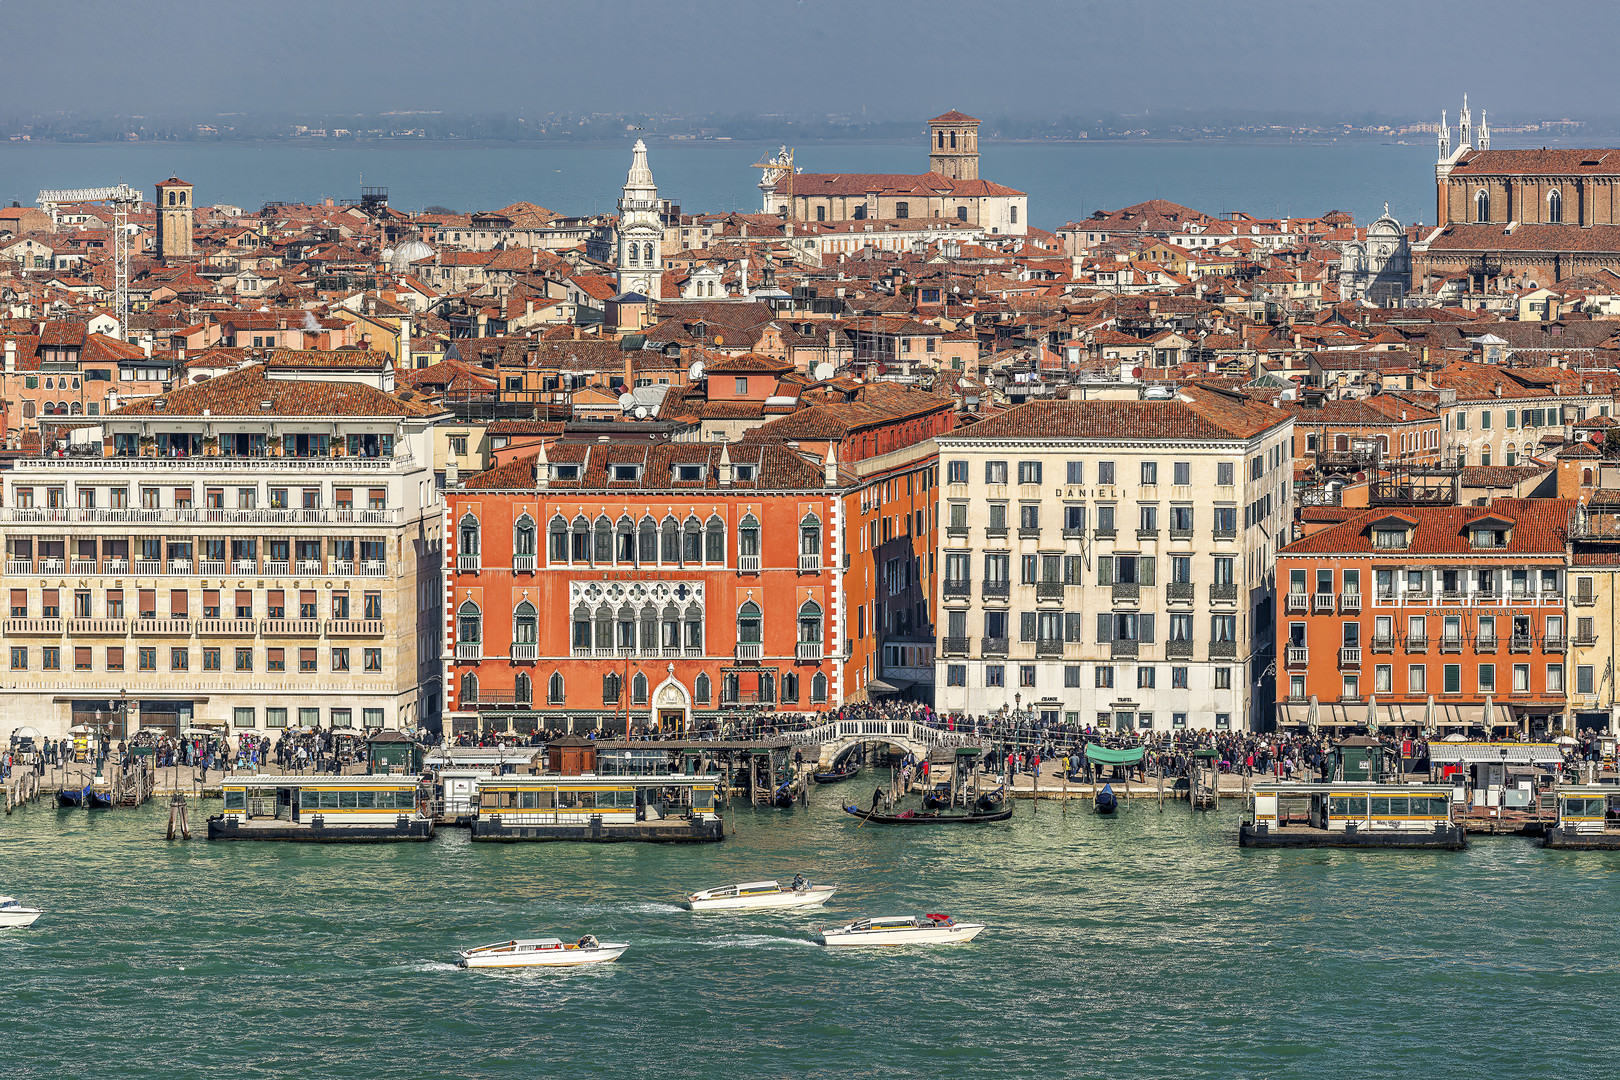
x: 1352, y: 815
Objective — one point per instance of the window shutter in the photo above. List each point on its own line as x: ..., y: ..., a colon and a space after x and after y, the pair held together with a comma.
x: 1105, y: 570
x: 1026, y: 626
x: 1105, y: 627
x: 1149, y: 573
x: 1144, y: 625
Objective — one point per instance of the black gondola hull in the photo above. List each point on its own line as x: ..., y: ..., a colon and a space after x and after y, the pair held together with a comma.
x: 929, y: 818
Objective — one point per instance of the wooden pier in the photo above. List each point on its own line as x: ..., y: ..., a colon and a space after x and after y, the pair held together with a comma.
x: 22, y: 789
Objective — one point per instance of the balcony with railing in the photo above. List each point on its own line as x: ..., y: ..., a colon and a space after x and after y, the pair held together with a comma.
x: 356, y: 628
x: 1223, y: 650
x: 1180, y: 534
x: 306, y: 628
x: 957, y: 532
x: 1296, y: 603
x: 465, y: 564
x: 188, y: 515
x: 97, y: 627
x: 1027, y: 532
x: 1585, y: 637
x: 1383, y: 643
x: 1147, y: 534
x: 748, y: 564
x: 750, y: 650
x: 1520, y: 643
x: 993, y: 646
x: 161, y: 628
x: 1126, y: 650
x: 957, y: 588
x: 1126, y: 590
x: 1417, y: 643
x: 809, y: 563
x: 1553, y: 643
x: 313, y: 566
x: 1178, y: 649
x: 19, y: 566
x: 1049, y: 590
x: 1451, y: 643
x: 54, y: 566
x: 1584, y: 598
x: 1322, y: 603
x: 525, y: 651
x: 1298, y: 656
x: 1223, y: 594
x: 34, y: 627
x: 955, y: 646
x: 808, y: 651
x: 523, y: 564
x: 227, y: 627
x: 81, y: 566
x: 1350, y: 603
x: 1485, y: 643
x: 995, y: 590
x: 469, y: 650
x: 1179, y: 592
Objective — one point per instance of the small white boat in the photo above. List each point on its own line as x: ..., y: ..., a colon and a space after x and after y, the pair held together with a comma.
x: 542, y: 952
x: 13, y: 914
x: 761, y: 894
x: 903, y: 930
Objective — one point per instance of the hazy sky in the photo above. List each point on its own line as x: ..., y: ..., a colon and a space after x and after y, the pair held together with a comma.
x: 897, y: 59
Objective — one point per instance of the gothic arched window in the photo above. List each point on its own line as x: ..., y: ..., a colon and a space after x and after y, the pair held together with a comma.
x: 748, y: 543
x: 610, y: 688
x: 469, y: 688
x: 714, y: 541
x: 522, y: 689
x: 559, y: 540
x: 554, y: 689
x: 670, y: 547
x: 469, y: 624
x: 646, y: 254
x: 469, y: 535
x: 691, y: 543
x: 810, y: 623
x: 523, y: 536
x: 750, y: 624
x: 581, y: 639
x: 647, y: 542
x: 638, y: 689
x: 602, y: 548
x: 1555, y: 207
x: 525, y: 625
x: 580, y: 551
x: 700, y: 690
x: 818, y: 687
x: 1482, y: 206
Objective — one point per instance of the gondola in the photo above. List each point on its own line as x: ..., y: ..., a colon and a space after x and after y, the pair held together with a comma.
x: 1106, y: 801
x: 73, y: 796
x: 989, y: 802
x: 783, y: 797
x: 912, y: 817
x: 939, y: 798
x: 98, y: 800
x: 834, y: 776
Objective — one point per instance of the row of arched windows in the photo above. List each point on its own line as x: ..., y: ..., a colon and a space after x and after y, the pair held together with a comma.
x: 603, y: 542
x: 645, y: 251
x: 613, y: 687
x: 1555, y: 206
x: 625, y: 629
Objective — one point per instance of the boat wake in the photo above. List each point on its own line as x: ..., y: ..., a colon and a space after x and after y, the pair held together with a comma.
x: 424, y: 965
x: 758, y: 941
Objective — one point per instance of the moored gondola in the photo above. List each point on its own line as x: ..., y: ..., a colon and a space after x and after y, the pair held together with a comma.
x: 834, y: 776
x: 73, y: 796
x: 97, y: 799
x: 1106, y: 801
x: 925, y: 817
x: 782, y: 799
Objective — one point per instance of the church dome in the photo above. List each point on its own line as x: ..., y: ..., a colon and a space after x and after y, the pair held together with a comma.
x: 409, y: 252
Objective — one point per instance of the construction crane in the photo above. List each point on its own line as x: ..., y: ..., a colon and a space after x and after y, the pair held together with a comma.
x: 122, y: 199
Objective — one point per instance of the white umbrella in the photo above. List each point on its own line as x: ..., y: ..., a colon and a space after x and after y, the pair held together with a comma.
x: 1489, y: 717
x: 1372, y: 715
x: 1428, y: 716
x: 1313, y: 717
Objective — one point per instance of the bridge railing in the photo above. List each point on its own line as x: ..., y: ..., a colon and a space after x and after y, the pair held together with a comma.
x: 899, y: 730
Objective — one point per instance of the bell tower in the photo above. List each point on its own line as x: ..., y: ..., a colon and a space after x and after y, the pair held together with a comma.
x: 174, y: 219
x: 641, y: 230
x: 953, y: 146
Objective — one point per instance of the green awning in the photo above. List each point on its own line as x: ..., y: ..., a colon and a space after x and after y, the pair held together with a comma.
x: 1103, y: 755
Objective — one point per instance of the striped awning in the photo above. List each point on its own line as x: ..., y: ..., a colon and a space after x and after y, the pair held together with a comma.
x: 1469, y: 753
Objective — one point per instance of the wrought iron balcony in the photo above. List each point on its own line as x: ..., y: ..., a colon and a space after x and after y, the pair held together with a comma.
x: 1451, y: 643
x: 1223, y: 650
x: 955, y: 646
x: 1520, y: 643
x: 1049, y: 590
x: 993, y: 646
x: 1123, y: 649
x: 995, y: 590
x: 958, y: 588
x: 1049, y: 647
x: 1178, y: 650
x: 1383, y: 643
x: 1126, y: 590
x: 1223, y: 594
x: 1179, y: 592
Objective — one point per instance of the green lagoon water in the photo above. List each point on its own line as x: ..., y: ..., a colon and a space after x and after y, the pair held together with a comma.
x: 1145, y: 945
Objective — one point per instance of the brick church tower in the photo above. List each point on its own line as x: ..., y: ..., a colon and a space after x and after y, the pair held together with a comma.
x: 174, y: 220
x: 953, y: 146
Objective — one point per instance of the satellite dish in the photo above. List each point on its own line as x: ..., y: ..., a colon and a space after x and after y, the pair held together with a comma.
x: 641, y: 412
x: 695, y: 372
x: 626, y: 400
x: 824, y: 371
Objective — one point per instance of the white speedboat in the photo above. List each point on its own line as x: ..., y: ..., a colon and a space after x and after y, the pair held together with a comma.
x: 761, y: 894
x: 542, y: 952
x: 13, y: 914
x: 903, y: 930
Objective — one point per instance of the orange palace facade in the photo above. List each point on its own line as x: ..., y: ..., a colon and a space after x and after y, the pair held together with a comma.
x: 605, y: 583
x: 1435, y: 614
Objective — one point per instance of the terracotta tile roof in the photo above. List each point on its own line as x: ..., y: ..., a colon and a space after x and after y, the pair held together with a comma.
x: 1529, y: 236
x: 777, y: 467
x: 1197, y: 415
x: 821, y: 185
x: 953, y: 117
x: 241, y: 393
x: 1563, y: 161
x: 1539, y: 527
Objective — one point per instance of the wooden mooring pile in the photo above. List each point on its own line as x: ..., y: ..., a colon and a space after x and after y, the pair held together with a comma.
x: 22, y: 789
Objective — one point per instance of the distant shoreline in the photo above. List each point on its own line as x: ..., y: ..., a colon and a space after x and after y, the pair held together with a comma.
x: 491, y: 144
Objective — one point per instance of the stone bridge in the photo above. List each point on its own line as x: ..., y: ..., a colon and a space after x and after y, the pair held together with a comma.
x: 917, y: 739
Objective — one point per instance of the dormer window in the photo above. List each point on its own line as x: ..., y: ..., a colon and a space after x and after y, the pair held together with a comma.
x: 565, y: 472
x: 1489, y: 538
x: 627, y: 472
x: 689, y: 472
x: 743, y: 472
x: 1390, y: 538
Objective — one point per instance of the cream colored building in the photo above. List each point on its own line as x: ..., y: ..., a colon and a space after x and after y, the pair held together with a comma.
x: 257, y: 551
x: 1110, y: 562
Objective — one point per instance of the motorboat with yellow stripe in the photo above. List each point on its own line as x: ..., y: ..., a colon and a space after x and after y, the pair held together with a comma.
x: 1347, y: 814
x: 323, y: 809
x: 1588, y: 818
x: 542, y: 952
